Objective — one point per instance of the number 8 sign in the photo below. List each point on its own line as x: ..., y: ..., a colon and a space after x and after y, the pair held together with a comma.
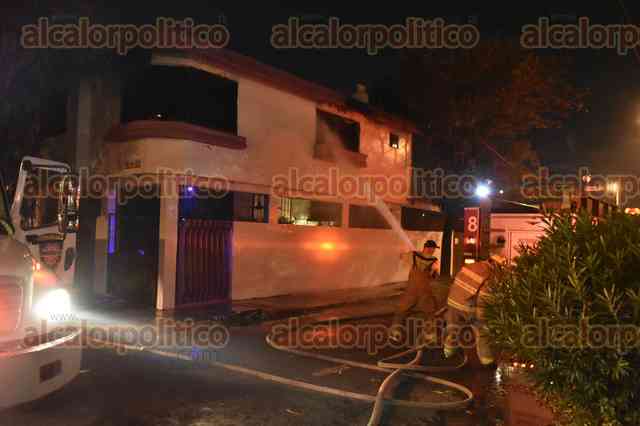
x: 472, y: 224
x: 472, y: 228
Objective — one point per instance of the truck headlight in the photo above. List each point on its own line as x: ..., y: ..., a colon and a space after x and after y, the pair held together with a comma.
x: 54, y: 306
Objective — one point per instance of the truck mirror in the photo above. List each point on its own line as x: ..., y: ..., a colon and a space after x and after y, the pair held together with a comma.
x: 69, y: 204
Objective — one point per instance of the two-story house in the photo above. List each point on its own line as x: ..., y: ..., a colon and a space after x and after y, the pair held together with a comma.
x: 239, y: 180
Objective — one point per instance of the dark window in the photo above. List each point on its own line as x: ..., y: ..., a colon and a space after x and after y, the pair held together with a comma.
x: 422, y: 220
x: 330, y: 126
x: 182, y: 94
x: 249, y: 207
x: 394, y: 141
x: 366, y: 217
x: 298, y: 211
x: 201, y: 203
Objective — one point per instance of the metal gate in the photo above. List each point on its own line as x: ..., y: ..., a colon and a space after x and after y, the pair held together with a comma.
x: 204, y: 262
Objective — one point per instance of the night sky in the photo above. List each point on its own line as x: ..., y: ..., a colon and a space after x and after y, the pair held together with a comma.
x: 607, y: 137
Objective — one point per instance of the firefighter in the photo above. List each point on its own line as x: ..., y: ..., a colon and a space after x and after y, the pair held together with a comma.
x: 465, y: 309
x: 418, y: 299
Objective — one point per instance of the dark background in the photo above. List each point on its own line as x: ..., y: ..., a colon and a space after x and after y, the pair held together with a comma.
x: 605, y: 137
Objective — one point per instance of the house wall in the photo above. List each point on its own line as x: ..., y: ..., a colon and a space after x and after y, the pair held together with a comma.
x: 272, y: 259
x: 280, y: 129
x: 284, y: 259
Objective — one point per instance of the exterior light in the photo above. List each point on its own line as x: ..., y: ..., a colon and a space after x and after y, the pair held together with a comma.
x: 53, y: 305
x: 483, y: 191
x: 501, y: 192
x: 190, y: 189
x: 328, y: 246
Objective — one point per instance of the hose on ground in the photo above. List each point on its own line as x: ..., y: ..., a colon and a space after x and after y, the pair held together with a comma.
x: 397, y: 371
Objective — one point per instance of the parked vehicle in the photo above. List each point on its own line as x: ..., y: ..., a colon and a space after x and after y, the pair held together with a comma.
x: 40, y: 348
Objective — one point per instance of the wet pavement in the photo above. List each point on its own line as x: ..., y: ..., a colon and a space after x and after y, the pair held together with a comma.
x: 140, y: 388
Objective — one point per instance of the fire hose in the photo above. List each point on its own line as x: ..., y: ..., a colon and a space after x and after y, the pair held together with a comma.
x: 396, y: 370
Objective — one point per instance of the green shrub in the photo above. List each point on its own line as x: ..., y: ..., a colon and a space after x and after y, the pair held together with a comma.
x: 580, y: 278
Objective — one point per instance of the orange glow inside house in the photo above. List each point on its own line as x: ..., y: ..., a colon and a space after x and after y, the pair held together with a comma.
x: 326, y: 250
x: 328, y: 246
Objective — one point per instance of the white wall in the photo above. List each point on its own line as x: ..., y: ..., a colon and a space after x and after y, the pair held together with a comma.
x: 283, y: 259
x: 514, y: 228
x: 280, y: 129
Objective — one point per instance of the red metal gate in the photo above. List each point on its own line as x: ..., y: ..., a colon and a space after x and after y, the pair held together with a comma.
x: 204, y: 262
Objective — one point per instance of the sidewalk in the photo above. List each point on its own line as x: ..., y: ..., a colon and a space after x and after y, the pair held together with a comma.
x: 313, y: 301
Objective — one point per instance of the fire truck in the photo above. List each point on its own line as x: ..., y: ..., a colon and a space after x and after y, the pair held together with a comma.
x: 40, y: 348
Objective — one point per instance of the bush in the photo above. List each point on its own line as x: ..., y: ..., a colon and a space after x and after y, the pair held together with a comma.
x: 581, y: 279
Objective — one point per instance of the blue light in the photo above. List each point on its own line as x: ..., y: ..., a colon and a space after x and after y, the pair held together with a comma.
x: 111, y: 245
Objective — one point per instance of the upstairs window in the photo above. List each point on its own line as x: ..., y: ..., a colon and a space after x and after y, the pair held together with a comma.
x: 331, y: 128
x: 188, y: 95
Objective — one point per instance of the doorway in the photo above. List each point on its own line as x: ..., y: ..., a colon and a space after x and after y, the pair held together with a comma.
x: 205, y: 246
x: 133, y: 252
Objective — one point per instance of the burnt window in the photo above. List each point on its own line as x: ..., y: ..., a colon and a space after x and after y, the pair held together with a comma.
x: 331, y: 127
x: 394, y: 141
x: 422, y: 220
x: 366, y: 217
x: 299, y: 211
x: 184, y: 94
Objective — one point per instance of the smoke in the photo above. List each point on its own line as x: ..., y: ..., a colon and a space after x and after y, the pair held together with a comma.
x: 345, y: 164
